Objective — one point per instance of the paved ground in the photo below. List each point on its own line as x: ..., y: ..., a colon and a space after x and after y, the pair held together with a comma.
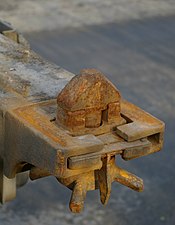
x: 37, y: 15
x: 138, y: 56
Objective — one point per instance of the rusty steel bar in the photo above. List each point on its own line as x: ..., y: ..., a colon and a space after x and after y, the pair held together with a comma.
x: 71, y: 127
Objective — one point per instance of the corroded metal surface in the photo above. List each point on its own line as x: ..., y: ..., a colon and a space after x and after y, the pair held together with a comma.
x: 72, y: 132
x: 88, y: 101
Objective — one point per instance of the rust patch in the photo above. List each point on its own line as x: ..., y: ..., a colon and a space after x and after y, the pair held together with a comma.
x: 87, y: 101
x: 41, y: 123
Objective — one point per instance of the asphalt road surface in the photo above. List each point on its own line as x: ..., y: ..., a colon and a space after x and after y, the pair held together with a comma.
x: 139, y: 58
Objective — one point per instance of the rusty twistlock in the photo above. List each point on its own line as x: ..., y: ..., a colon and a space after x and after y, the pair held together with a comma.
x: 71, y: 127
x: 90, y: 104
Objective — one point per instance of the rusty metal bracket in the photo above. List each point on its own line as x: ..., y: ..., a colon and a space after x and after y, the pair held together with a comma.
x: 71, y: 127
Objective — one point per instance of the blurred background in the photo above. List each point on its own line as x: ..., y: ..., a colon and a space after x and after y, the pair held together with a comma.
x: 133, y: 44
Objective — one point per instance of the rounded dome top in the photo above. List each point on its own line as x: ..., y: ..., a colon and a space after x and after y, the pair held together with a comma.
x: 89, y: 89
